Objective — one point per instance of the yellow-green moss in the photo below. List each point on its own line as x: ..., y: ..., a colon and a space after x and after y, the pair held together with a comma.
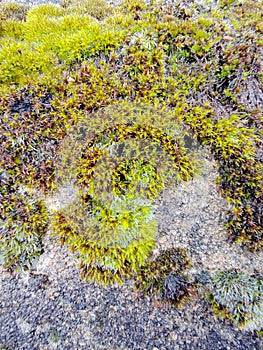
x: 50, y: 39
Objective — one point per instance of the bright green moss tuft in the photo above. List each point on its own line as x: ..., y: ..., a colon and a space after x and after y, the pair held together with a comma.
x: 19, y: 61
x: 113, y: 241
x: 49, y: 40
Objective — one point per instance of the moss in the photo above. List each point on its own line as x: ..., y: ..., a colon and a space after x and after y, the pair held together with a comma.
x: 163, y: 277
x: 13, y: 11
x: 23, y: 222
x: 238, y: 297
x: 99, y: 9
x: 120, y: 163
x: 113, y: 242
x: 194, y: 66
x: 19, y: 61
x: 70, y: 36
x: 30, y: 131
x: 49, y: 36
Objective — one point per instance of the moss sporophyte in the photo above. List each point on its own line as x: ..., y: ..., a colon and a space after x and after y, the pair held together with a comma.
x: 102, y: 97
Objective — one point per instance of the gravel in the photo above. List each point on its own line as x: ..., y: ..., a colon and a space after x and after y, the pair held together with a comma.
x: 51, y: 307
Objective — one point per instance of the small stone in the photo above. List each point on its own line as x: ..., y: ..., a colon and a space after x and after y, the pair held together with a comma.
x: 162, y: 240
x: 228, y: 38
x: 23, y: 325
x: 185, y: 199
x: 173, y: 336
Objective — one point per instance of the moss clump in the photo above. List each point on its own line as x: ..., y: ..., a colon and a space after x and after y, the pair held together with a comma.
x: 30, y: 134
x: 164, y: 279
x: 49, y: 40
x: 111, y: 241
x: 19, y: 61
x: 99, y: 9
x: 13, y: 11
x: 239, y: 297
x: 23, y: 222
x: 236, y: 146
x: 120, y: 163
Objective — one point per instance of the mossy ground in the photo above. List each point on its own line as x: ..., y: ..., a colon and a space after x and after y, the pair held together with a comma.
x: 202, y: 62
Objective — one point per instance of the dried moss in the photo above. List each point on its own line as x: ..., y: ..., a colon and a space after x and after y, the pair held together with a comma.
x: 164, y: 277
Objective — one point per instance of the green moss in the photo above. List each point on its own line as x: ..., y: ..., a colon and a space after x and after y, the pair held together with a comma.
x: 113, y: 241
x: 238, y: 297
x: 19, y: 61
x: 23, y: 222
x: 186, y: 66
x: 70, y: 36
x: 13, y: 11
x: 99, y: 9
x: 50, y: 40
x: 120, y: 163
